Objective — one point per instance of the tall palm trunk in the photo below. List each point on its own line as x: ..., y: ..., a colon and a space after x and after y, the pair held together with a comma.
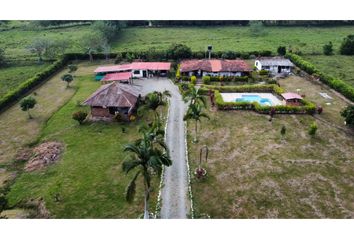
x: 196, y: 131
x: 146, y: 201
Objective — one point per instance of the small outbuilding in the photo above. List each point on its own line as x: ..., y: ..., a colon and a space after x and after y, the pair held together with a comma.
x: 112, y: 100
x: 123, y: 77
x: 292, y: 98
x: 274, y: 65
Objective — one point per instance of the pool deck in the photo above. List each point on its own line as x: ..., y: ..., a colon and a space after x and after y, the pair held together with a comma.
x: 230, y: 97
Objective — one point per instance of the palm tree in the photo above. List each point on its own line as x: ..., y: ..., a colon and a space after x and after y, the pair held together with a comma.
x: 193, y: 95
x: 150, y: 154
x: 154, y: 100
x: 195, y: 112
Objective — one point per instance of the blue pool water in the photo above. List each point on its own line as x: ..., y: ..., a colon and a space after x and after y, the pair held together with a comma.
x: 254, y: 98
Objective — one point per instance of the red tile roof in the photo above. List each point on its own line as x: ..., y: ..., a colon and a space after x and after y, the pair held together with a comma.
x: 290, y: 95
x: 154, y: 66
x: 120, y: 76
x: 215, y: 65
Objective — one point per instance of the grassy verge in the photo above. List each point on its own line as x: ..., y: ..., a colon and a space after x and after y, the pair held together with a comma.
x: 88, y: 178
x: 339, y: 66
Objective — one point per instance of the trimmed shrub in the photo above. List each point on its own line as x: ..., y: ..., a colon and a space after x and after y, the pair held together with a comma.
x: 264, y: 72
x: 313, y: 129
x: 79, y: 116
x: 206, y: 79
x: 193, y: 80
x: 328, y: 49
x: 347, y: 47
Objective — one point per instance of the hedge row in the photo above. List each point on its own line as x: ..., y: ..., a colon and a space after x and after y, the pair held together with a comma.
x: 307, y: 107
x: 336, y: 84
x: 30, y: 83
x: 272, y: 88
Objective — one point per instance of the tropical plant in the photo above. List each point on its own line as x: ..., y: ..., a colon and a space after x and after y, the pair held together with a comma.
x: 153, y: 101
x: 68, y: 78
x: 149, y: 157
x: 193, y: 95
x: 79, y: 116
x: 195, y: 112
x: 28, y: 103
x: 348, y: 114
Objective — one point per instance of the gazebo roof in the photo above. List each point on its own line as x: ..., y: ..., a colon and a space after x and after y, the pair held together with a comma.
x: 290, y: 95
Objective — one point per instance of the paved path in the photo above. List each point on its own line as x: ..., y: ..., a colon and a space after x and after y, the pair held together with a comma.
x: 175, y: 202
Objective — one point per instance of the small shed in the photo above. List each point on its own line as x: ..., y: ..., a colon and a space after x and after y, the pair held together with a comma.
x: 274, y: 65
x: 113, y: 99
x: 123, y: 77
x: 292, y: 98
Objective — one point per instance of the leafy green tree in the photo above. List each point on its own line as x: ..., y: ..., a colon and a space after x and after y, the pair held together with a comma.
x: 93, y: 42
x: 281, y: 50
x: 257, y: 29
x: 109, y: 29
x: 149, y: 155
x: 179, y: 51
x: 347, y: 47
x: 348, y: 115
x: 39, y: 46
x: 195, y: 112
x: 328, y: 49
x: 193, y: 95
x: 72, y: 68
x: 68, y: 78
x: 79, y: 116
x: 28, y: 103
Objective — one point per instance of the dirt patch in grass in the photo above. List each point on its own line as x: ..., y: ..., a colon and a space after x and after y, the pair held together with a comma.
x: 44, y: 155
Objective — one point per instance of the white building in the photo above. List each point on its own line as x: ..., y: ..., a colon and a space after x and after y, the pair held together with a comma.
x: 274, y: 65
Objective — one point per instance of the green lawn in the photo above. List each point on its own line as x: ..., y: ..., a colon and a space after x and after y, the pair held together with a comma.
x: 88, y: 178
x: 306, y: 39
x: 338, y: 66
x: 11, y: 77
x: 254, y: 172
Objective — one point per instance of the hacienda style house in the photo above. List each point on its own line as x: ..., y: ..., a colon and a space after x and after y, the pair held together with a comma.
x: 137, y: 69
x: 214, y: 67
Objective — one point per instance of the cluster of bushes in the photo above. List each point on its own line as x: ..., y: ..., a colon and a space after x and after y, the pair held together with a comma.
x: 233, y: 54
x: 336, y: 84
x: 307, y: 107
x: 271, y: 88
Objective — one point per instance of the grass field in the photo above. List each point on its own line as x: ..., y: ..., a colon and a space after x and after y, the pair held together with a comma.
x: 338, y: 66
x: 306, y: 39
x: 88, y: 178
x: 254, y: 172
x: 11, y: 77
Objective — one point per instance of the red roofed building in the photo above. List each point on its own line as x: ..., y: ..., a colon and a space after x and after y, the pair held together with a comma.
x: 215, y: 67
x: 292, y: 98
x: 120, y: 76
x: 138, y: 69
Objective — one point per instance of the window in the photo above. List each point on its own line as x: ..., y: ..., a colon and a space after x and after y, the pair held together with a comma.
x: 136, y: 71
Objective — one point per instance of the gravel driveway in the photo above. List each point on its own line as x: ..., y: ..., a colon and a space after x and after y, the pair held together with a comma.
x: 174, y: 196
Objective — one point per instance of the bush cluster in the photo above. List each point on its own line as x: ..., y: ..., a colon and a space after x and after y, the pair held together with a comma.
x: 336, y: 84
x: 272, y: 88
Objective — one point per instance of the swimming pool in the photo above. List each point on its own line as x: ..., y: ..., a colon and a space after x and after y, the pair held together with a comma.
x: 264, y: 99
x: 254, y: 98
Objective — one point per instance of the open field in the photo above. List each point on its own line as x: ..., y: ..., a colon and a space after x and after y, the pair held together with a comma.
x: 338, y: 66
x: 88, y: 178
x: 307, y: 40
x: 11, y: 77
x: 254, y: 172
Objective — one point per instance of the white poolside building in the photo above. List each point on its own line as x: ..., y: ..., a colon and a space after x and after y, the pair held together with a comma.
x: 274, y: 65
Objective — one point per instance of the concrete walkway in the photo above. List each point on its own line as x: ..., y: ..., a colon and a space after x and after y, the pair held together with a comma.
x: 175, y: 202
